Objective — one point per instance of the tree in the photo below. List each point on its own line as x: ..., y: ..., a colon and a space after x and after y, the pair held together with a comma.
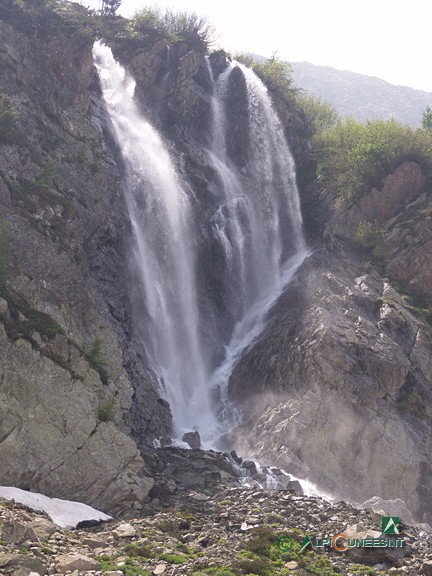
x: 427, y: 119
x: 110, y: 7
x: 321, y: 115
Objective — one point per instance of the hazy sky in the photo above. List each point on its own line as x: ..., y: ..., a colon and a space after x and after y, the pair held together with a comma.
x: 390, y: 39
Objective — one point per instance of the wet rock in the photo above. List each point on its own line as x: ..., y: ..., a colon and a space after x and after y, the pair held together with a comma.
x: 295, y: 486
x: 250, y: 467
x: 193, y: 439
x: 59, y: 302
x: 366, y: 366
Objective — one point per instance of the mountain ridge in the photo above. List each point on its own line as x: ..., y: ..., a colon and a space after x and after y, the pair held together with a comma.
x: 360, y: 96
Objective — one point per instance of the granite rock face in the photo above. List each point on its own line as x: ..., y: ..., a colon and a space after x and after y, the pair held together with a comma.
x: 67, y: 386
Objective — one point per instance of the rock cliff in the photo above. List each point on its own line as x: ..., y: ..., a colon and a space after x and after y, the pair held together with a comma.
x: 69, y: 375
x: 339, y: 384
x: 337, y: 387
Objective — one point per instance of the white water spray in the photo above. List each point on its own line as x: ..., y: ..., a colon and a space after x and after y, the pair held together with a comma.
x: 160, y: 214
x: 256, y: 222
x: 258, y: 209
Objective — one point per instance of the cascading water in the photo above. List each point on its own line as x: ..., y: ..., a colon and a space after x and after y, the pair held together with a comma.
x: 259, y: 225
x: 256, y: 222
x: 160, y: 215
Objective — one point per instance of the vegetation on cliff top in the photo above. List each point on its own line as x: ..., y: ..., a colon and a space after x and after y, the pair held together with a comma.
x: 353, y: 157
x: 59, y: 16
x: 173, y: 26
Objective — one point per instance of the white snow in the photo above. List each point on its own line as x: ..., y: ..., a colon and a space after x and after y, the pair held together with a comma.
x: 64, y: 513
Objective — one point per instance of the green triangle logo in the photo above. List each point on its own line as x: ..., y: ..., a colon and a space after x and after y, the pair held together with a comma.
x: 390, y: 525
x: 306, y: 542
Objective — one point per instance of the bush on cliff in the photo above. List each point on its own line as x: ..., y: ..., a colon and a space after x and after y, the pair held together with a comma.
x: 174, y: 26
x: 353, y: 157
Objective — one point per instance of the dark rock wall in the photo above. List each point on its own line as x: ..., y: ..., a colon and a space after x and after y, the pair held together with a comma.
x: 69, y: 372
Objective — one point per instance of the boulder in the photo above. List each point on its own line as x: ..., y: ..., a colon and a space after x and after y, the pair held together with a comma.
x: 71, y: 562
x: 193, y: 439
x: 124, y: 531
x: 16, y: 532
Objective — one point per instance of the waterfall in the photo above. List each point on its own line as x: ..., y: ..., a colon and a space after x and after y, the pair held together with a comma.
x: 160, y: 215
x: 256, y: 222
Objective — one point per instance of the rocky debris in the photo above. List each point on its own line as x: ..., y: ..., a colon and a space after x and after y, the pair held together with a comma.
x: 235, y: 529
x: 178, y: 470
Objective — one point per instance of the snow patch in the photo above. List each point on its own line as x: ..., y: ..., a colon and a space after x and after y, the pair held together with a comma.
x: 64, y: 513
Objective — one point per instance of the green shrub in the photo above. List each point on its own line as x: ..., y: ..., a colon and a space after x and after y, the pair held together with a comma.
x: 95, y: 358
x: 8, y: 118
x: 215, y: 571
x: 129, y: 568
x: 413, y: 403
x: 188, y: 26
x: 106, y: 410
x: 253, y: 564
x: 174, y: 558
x: 368, y: 233
x: 263, y: 538
x: 320, y: 115
x: 4, y: 253
x: 138, y: 549
x: 148, y: 21
x: 353, y: 157
x: 174, y: 26
x: 170, y: 527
